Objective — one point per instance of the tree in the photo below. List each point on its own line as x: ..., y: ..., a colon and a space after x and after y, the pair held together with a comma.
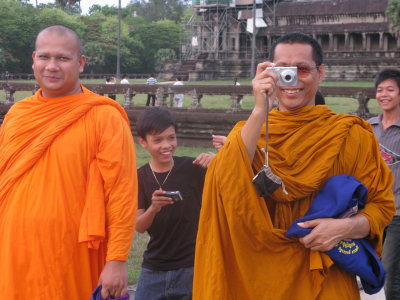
x: 100, y: 45
x: 156, y: 10
x: 47, y: 17
x: 69, y: 6
x: 393, y: 14
x: 17, y: 30
x: 155, y: 36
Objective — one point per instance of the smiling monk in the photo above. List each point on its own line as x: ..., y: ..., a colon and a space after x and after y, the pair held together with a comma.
x: 68, y: 186
x: 241, y: 250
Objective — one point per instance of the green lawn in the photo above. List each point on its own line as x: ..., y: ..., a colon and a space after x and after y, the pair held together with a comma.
x: 338, y: 105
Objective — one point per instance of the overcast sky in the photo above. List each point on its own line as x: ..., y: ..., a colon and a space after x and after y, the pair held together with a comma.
x: 86, y: 4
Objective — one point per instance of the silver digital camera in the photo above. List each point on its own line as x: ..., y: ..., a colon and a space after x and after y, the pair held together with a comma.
x: 176, y: 196
x: 287, y: 76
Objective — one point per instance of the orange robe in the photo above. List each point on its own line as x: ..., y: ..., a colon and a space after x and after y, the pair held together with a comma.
x: 68, y: 194
x: 241, y: 250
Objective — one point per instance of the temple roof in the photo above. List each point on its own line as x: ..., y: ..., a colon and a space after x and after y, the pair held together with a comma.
x: 330, y: 7
x: 326, y: 28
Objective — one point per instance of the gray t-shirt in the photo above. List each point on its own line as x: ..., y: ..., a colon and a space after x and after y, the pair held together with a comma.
x: 389, y: 144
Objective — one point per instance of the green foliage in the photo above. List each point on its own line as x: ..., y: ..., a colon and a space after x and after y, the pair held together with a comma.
x: 16, y: 26
x: 105, y: 10
x: 143, y: 44
x: 47, y: 17
x: 156, y: 10
x: 161, y: 55
x: 393, y: 13
x: 155, y: 36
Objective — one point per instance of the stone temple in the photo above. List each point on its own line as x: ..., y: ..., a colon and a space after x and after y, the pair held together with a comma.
x: 356, y: 37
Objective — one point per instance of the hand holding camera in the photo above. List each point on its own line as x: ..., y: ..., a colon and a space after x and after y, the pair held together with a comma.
x: 176, y: 196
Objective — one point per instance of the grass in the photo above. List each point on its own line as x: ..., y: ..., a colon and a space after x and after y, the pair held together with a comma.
x: 338, y: 105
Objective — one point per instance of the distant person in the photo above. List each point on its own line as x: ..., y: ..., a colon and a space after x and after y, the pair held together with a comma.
x: 167, y: 269
x: 124, y: 79
x: 111, y: 80
x: 236, y: 82
x: 178, y: 98
x: 151, y: 81
x: 68, y: 183
x: 386, y: 127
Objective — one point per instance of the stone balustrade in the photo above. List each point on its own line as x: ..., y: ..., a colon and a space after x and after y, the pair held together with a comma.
x: 196, y: 124
x: 165, y: 92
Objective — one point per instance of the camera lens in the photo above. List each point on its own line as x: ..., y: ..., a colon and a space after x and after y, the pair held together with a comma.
x: 288, y: 76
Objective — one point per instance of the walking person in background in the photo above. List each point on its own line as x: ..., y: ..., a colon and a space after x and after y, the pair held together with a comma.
x: 151, y: 81
x: 68, y: 186
x: 178, y: 98
x: 386, y: 127
x: 171, y: 220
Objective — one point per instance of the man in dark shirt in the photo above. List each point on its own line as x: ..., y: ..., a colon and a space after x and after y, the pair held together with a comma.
x: 167, y: 269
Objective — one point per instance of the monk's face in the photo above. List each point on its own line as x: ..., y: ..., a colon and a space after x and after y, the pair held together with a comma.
x: 57, y: 64
x: 388, y: 95
x: 309, y: 76
x: 161, y: 146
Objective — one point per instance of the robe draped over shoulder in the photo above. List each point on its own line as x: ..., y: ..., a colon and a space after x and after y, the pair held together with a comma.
x: 68, y: 194
x: 241, y: 249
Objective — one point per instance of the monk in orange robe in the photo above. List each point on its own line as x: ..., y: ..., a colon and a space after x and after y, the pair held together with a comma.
x: 241, y: 249
x: 68, y: 186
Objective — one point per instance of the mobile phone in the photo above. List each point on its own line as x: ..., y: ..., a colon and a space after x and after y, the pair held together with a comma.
x: 174, y: 195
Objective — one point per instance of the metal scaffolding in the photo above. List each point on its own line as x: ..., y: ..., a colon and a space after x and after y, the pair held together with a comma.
x: 217, y: 28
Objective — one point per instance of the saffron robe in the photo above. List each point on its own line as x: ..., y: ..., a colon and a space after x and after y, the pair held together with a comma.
x: 241, y: 249
x: 68, y: 194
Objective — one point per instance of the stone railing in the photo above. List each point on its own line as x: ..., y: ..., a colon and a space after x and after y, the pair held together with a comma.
x: 165, y: 92
x: 195, y: 124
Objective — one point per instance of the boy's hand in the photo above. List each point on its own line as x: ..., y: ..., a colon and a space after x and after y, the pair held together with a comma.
x: 218, y: 141
x: 203, y: 160
x: 158, y: 200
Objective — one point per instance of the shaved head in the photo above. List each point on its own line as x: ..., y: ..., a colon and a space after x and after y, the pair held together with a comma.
x: 62, y: 30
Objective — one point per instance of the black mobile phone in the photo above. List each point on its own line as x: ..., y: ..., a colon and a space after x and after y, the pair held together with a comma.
x: 174, y: 195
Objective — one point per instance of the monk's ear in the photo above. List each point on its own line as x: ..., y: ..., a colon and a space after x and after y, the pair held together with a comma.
x: 321, y: 72
x: 82, y: 62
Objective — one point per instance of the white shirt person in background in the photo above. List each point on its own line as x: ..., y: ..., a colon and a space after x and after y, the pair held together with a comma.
x: 178, y: 98
x: 124, y: 79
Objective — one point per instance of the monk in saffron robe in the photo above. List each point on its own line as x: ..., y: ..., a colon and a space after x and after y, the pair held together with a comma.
x: 68, y: 186
x: 241, y: 250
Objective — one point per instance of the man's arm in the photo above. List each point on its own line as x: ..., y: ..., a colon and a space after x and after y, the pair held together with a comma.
x: 117, y: 165
x: 328, y: 232
x: 370, y: 169
x: 145, y: 218
x: 263, y: 89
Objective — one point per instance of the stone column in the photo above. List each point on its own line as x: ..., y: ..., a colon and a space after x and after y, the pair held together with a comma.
x: 351, y: 42
x: 346, y: 41
x: 128, y: 103
x: 380, y: 40
x: 330, y: 42
x: 364, y: 41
